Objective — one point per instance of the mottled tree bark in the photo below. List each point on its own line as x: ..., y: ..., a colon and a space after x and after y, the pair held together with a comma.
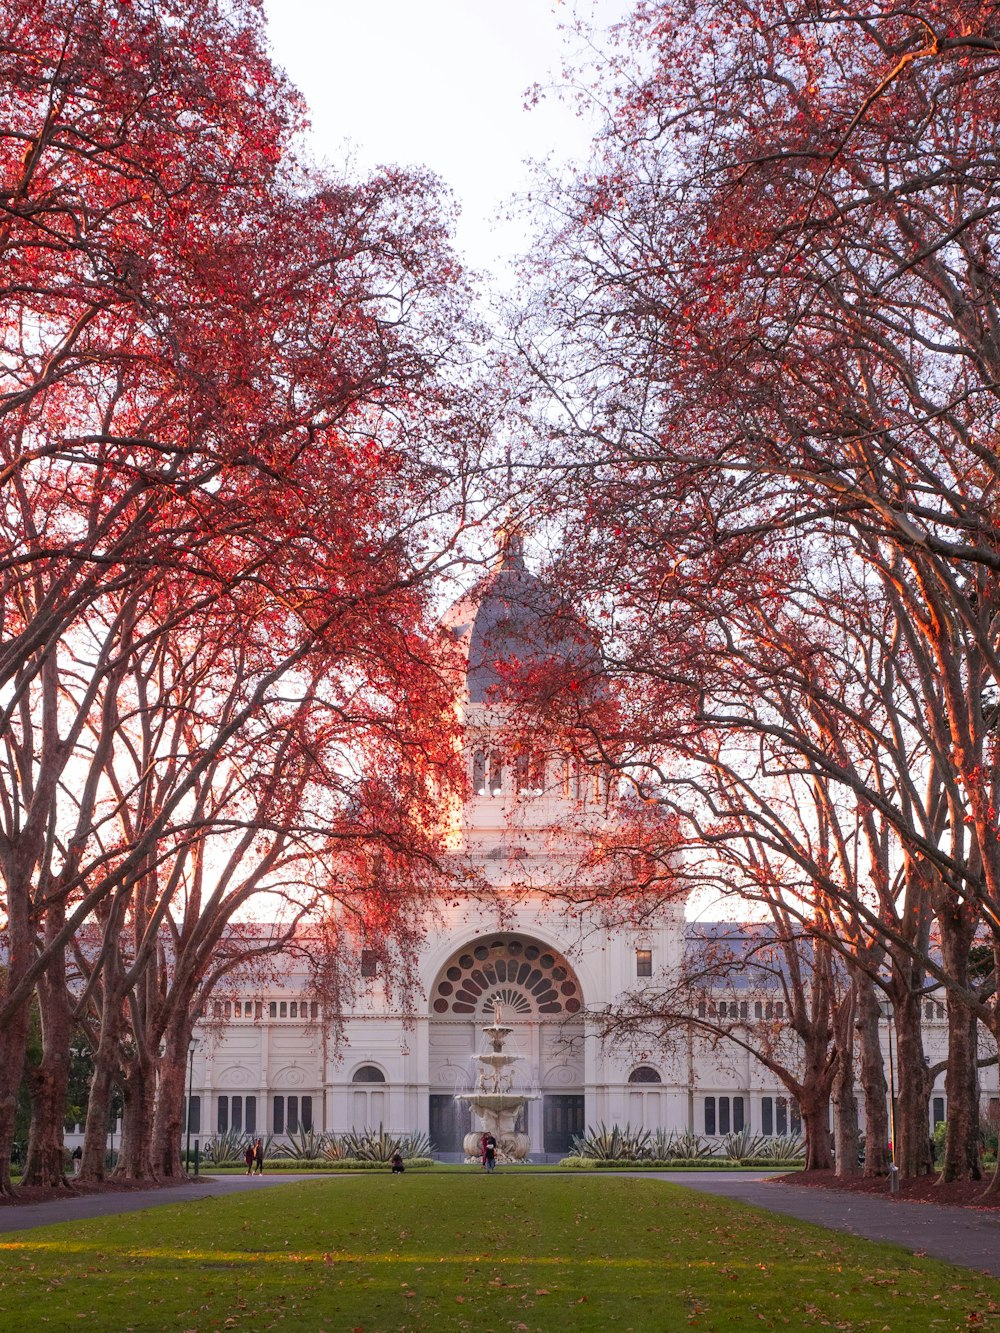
x: 962, y: 1155
x: 45, y: 1163
x: 846, y: 1132
x: 873, y: 1084
x: 913, y: 1090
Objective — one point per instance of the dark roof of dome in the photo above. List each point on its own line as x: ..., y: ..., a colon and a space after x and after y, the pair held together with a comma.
x: 512, y: 620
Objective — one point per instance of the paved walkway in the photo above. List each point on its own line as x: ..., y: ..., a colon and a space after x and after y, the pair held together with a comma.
x: 960, y: 1236
x: 77, y: 1207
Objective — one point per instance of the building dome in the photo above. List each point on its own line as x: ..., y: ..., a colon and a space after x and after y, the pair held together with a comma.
x: 512, y: 624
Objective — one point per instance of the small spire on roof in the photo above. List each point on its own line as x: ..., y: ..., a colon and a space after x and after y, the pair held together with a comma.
x: 510, y: 545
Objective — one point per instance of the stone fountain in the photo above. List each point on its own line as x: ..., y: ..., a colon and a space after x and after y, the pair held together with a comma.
x: 495, y: 1100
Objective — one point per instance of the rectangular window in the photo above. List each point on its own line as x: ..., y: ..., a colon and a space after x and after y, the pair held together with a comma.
x: 307, y: 1113
x: 272, y: 1009
x: 293, y: 1010
x: 282, y: 1009
x: 744, y: 1010
x: 314, y: 1009
x: 781, y: 1107
x: 479, y: 773
x: 758, y: 1009
x: 709, y: 1115
x: 738, y: 1120
x: 236, y: 1113
x: 767, y: 1115
x: 278, y: 1118
x: 293, y: 1115
x: 222, y: 1115
x: 250, y: 1119
x: 258, y: 1009
x: 194, y: 1115
x: 723, y: 1115
x: 369, y: 963
x: 643, y: 962
x: 938, y: 1111
x: 496, y: 772
x: 701, y: 1009
x: 795, y: 1117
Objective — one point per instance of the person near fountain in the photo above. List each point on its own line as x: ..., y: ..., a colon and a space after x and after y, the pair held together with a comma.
x: 397, y: 1164
x: 489, y: 1152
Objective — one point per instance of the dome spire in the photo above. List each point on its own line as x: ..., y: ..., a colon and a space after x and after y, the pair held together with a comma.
x: 510, y: 545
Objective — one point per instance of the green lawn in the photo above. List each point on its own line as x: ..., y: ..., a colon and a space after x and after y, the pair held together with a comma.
x: 438, y: 1252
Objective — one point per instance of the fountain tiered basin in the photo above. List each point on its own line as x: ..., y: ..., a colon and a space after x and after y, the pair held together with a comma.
x: 495, y: 1099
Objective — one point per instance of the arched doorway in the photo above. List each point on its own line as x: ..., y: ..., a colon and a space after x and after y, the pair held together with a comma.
x: 543, y: 1002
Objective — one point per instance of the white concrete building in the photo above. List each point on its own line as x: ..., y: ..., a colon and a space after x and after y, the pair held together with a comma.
x: 264, y: 1064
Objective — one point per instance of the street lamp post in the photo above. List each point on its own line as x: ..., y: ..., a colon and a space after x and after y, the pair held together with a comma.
x: 187, y: 1152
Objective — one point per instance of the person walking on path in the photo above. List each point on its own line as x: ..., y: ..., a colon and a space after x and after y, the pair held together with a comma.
x: 258, y: 1158
x: 248, y: 1157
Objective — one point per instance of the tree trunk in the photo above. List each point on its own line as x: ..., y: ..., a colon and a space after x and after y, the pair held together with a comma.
x: 13, y: 1044
x: 913, y: 1090
x: 846, y: 1131
x: 45, y: 1164
x: 16, y: 1025
x: 168, y: 1123
x: 962, y: 1156
x: 135, y: 1155
x: 873, y: 1085
x: 816, y: 1124
x: 100, y: 1104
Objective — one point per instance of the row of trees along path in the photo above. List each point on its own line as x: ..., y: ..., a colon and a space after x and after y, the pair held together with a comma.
x: 231, y: 403
x: 763, y: 348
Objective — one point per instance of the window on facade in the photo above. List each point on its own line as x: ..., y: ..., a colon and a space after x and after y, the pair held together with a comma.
x: 368, y: 1074
x: 278, y: 1115
x: 794, y: 1116
x: 723, y: 1115
x: 314, y: 1009
x: 194, y: 1115
x: 293, y: 1009
x: 701, y: 1009
x: 644, y: 1074
x: 258, y: 1009
x: 781, y: 1114
x: 236, y: 1112
x: 643, y: 962
x: 738, y: 1120
x: 222, y: 1115
x: 369, y: 963
x: 306, y: 1114
x: 709, y: 1115
x: 292, y: 1120
x: 282, y: 1009
x: 216, y: 1008
x: 496, y: 772
x: 767, y: 1115
x: 779, y: 1010
x: 744, y: 1010
x: 937, y: 1110
x: 272, y: 1009
x: 250, y: 1117
x: 758, y: 1009
x: 479, y: 772
x: 566, y: 776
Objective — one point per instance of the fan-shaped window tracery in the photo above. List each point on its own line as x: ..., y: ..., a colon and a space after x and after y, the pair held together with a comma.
x: 525, y: 977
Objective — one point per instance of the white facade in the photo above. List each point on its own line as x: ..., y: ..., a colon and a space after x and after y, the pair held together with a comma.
x: 264, y: 1063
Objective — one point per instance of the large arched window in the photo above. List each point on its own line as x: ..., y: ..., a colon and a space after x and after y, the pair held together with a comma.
x: 368, y: 1074
x: 525, y: 977
x: 644, y: 1074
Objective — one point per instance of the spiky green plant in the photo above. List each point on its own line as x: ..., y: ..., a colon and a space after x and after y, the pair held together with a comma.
x: 742, y: 1145
x: 303, y: 1146
x: 783, y: 1148
x: 691, y: 1148
x: 371, y: 1145
x: 227, y: 1147
x: 627, y: 1145
x: 333, y: 1148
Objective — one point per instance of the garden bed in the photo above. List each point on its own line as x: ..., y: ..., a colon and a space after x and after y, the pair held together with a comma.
x: 924, y: 1189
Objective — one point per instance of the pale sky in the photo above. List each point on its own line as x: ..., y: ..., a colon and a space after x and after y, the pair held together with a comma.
x: 439, y: 83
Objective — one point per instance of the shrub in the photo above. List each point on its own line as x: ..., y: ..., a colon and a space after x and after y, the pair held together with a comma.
x: 307, y: 1145
x: 617, y: 1144
x: 690, y: 1148
x: 742, y: 1146
x: 381, y: 1145
x: 783, y: 1148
